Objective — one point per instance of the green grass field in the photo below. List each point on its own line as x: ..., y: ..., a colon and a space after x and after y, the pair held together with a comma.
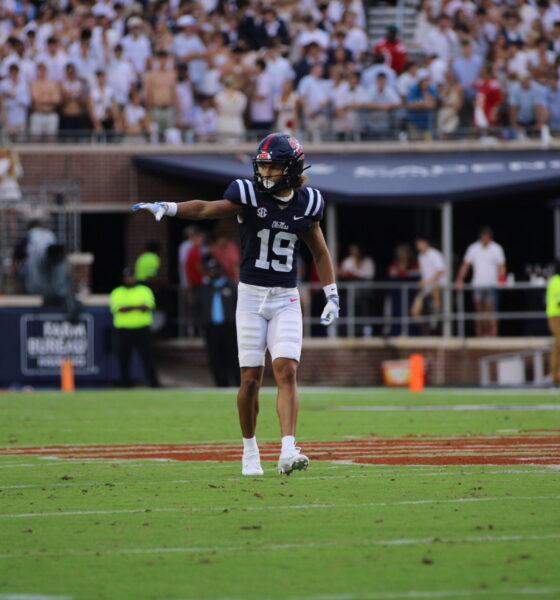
x: 446, y: 494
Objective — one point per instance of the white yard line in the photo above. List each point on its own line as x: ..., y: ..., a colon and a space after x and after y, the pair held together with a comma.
x: 271, y: 547
x: 32, y: 597
x: 81, y: 513
x: 419, y: 594
x: 447, y: 407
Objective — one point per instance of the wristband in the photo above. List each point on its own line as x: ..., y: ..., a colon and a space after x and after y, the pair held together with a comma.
x: 171, y: 209
x: 330, y: 290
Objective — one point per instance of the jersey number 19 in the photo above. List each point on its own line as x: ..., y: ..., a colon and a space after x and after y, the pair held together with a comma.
x: 285, y: 252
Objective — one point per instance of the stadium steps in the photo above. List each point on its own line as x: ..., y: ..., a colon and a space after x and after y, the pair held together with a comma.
x: 380, y: 15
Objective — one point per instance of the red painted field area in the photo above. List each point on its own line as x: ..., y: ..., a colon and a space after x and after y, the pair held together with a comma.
x: 541, y: 448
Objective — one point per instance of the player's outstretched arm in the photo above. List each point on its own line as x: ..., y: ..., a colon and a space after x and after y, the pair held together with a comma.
x: 325, y: 269
x: 195, y: 210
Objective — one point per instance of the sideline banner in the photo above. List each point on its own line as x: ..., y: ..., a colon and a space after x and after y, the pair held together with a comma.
x: 36, y: 340
x: 48, y: 339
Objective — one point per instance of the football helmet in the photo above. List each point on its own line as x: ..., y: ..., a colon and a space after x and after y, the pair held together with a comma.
x: 284, y: 150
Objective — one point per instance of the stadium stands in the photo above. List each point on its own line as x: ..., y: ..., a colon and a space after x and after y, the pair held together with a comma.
x: 178, y: 72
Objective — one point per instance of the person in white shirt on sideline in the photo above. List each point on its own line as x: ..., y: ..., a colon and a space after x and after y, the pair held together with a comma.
x: 432, y: 278
x: 488, y: 263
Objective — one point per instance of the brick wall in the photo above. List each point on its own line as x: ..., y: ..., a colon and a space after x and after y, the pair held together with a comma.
x: 358, y: 362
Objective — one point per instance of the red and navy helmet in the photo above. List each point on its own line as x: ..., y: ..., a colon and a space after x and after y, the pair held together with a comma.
x: 284, y: 149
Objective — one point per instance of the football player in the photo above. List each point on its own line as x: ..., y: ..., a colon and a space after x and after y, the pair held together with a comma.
x: 275, y: 213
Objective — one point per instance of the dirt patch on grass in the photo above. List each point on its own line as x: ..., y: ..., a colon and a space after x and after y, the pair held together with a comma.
x: 410, y: 450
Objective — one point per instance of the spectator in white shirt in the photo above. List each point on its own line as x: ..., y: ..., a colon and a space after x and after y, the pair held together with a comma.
x: 205, y: 120
x: 190, y: 49
x: 488, y: 263
x: 135, y: 122
x: 356, y: 39
x: 85, y: 61
x: 15, y: 100
x: 286, y: 106
x: 136, y: 46
x: 369, y: 76
x: 311, y: 33
x: 185, y: 100
x: 314, y: 99
x: 230, y: 105
x: 55, y: 59
x: 120, y: 76
x: 441, y: 39
x: 337, y: 91
x: 278, y: 67
x: 348, y: 107
x: 432, y: 278
x: 103, y: 111
x: 409, y: 77
x: 27, y: 69
x: 262, y: 101
x: 381, y: 102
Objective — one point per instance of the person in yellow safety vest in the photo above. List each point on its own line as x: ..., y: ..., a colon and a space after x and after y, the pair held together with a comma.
x: 147, y: 264
x: 553, y: 314
x: 132, y: 305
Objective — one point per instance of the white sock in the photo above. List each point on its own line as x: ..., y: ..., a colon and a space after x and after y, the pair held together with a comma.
x: 250, y: 445
x: 288, y: 443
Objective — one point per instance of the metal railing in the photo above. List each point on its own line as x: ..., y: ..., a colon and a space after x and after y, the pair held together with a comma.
x: 398, y: 124
x: 383, y: 309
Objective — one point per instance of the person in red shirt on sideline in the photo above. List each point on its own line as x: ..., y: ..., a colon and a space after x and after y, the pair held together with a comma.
x: 488, y: 99
x: 194, y: 262
x: 392, y: 49
x: 226, y: 252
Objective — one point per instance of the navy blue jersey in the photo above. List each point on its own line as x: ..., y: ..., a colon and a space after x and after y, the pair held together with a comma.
x: 271, y: 233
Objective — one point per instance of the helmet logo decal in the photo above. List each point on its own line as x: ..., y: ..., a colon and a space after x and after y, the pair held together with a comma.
x: 263, y: 155
x: 294, y: 144
x: 262, y: 212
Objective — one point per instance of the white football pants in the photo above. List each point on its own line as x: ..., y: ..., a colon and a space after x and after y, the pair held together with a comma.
x: 268, y: 318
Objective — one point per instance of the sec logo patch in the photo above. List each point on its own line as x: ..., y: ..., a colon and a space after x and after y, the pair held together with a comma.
x: 262, y: 212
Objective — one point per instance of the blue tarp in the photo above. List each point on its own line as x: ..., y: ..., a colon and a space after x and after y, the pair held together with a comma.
x: 389, y: 179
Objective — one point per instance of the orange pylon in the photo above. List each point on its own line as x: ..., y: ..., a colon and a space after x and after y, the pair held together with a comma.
x: 417, y: 373
x: 67, y: 376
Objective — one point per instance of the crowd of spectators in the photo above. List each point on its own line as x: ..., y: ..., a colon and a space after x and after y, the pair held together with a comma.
x: 181, y: 70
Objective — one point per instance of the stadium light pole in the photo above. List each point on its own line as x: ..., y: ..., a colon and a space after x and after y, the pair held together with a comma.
x: 447, y: 249
x: 332, y: 228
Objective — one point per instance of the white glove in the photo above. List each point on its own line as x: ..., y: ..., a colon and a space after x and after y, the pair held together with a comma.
x: 330, y: 312
x: 158, y: 209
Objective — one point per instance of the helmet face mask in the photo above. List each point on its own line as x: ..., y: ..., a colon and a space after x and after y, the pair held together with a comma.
x: 283, y: 154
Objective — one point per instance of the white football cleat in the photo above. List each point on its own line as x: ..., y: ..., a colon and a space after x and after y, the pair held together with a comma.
x: 292, y: 461
x: 251, y: 464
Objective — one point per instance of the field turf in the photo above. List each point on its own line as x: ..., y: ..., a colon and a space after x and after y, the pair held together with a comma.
x: 137, y: 495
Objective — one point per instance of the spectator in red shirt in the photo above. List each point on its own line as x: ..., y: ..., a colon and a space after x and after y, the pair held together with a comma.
x: 226, y: 252
x: 488, y: 99
x: 194, y: 263
x: 392, y: 49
